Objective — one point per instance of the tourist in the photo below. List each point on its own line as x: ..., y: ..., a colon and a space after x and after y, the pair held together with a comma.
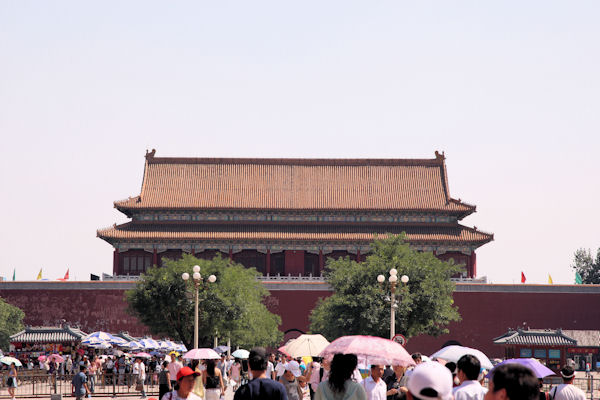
x: 11, y: 381
x: 164, y: 380
x: 139, y: 376
x: 236, y: 373
x: 186, y: 378
x: 79, y: 383
x: 468, y: 368
x: 289, y: 381
x: 260, y: 387
x: 566, y: 390
x: 92, y: 370
x: 375, y: 386
x: 396, y: 383
x: 198, y: 388
x: 121, y: 368
x: 512, y: 382
x: 340, y: 385
x: 280, y: 367
x: 213, y: 381
x: 314, y: 375
x: 430, y: 380
x: 222, y: 365
x: 303, y: 382
x: 109, y: 368
x: 271, y: 366
x: 174, y: 366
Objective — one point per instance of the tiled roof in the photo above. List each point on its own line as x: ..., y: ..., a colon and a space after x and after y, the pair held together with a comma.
x: 295, y: 184
x: 273, y: 232
x: 537, y: 337
x: 48, y: 335
x: 585, y: 338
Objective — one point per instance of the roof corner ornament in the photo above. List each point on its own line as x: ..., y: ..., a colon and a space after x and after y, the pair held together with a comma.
x: 150, y: 154
x: 440, y: 157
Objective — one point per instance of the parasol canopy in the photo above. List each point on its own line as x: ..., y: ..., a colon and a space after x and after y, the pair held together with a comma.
x: 202, y: 354
x: 241, y: 353
x: 454, y: 353
x: 306, y: 346
x: 539, y: 369
x: 374, y: 350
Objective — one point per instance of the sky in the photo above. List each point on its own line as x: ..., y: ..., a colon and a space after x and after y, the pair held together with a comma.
x: 509, y: 90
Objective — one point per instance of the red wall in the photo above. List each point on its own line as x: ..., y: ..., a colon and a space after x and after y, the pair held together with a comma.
x: 485, y: 314
x: 294, y: 262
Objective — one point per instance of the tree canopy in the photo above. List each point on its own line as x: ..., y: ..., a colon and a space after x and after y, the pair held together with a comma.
x: 11, y: 322
x: 358, y: 304
x: 586, y: 266
x: 232, y: 307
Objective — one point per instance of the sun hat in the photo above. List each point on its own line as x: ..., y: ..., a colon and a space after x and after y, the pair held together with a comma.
x: 186, y: 371
x: 294, y: 368
x: 430, y: 381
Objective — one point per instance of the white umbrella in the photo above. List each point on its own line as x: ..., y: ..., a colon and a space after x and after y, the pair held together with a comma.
x: 10, y: 360
x: 306, y: 346
x: 92, y: 341
x: 102, y: 336
x: 454, y: 353
x: 202, y: 354
x: 149, y: 343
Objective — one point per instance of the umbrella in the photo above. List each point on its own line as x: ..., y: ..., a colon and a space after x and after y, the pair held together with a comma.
x: 57, y: 358
x: 116, y: 340
x: 103, y: 345
x: 306, y: 345
x: 92, y: 341
x: 202, y: 354
x: 375, y: 350
x: 141, y: 355
x: 241, y: 353
x: 149, y: 343
x: 156, y: 353
x: 454, y: 353
x: 539, y: 369
x: 283, y: 350
x: 102, y: 336
x: 181, y: 347
x: 42, y: 358
x: 166, y: 345
x: 10, y: 360
x: 133, y: 345
x: 221, y: 349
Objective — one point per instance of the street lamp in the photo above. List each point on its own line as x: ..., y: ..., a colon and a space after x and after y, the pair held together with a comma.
x: 393, y: 280
x: 198, y: 280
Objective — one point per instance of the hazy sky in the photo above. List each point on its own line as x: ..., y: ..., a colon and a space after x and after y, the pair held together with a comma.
x: 510, y: 90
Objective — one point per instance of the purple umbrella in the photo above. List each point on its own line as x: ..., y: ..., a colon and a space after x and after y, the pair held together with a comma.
x: 539, y: 369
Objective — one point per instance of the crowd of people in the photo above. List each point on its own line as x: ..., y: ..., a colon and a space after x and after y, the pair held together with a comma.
x: 267, y: 376
x: 271, y: 376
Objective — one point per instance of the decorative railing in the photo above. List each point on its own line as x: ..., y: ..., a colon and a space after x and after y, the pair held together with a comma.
x: 291, y: 278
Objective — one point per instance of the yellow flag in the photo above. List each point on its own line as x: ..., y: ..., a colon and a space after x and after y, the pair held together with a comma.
x: 39, y: 277
x: 550, y: 279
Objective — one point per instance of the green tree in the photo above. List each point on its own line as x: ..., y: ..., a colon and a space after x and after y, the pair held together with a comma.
x: 232, y: 307
x: 358, y: 304
x: 586, y: 266
x: 11, y: 322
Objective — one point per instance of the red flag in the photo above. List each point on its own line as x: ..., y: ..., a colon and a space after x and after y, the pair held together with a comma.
x: 66, y: 278
x: 523, y: 279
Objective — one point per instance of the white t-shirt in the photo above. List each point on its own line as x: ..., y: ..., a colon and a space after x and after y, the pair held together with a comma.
x: 280, y: 369
x: 174, y: 396
x: 469, y: 390
x: 269, y: 370
x: 566, y: 391
x: 136, y: 369
x: 375, y: 390
x: 174, y: 368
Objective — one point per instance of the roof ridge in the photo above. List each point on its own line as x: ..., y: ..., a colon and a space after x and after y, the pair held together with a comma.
x: 433, y: 162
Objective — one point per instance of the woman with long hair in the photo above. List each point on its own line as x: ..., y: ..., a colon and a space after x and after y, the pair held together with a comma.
x: 340, y: 385
x: 12, y: 380
x: 213, y: 381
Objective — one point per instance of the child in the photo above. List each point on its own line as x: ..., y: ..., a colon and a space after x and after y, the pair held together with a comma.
x: 304, y: 387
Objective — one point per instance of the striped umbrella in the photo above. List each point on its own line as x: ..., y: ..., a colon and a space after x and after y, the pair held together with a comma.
x: 149, y: 344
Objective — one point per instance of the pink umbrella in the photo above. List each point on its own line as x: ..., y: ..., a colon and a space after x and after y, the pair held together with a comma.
x: 374, y: 350
x: 141, y: 355
x: 283, y: 350
x: 42, y: 358
x: 202, y: 354
x: 57, y: 358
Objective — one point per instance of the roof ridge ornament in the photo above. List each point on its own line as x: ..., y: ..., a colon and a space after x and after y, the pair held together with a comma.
x: 440, y: 156
x: 150, y: 154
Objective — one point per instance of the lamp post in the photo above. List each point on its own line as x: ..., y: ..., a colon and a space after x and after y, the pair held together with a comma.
x: 393, y: 280
x: 198, y: 280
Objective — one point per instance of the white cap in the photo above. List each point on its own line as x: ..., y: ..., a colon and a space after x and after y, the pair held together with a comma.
x: 294, y: 368
x: 430, y: 375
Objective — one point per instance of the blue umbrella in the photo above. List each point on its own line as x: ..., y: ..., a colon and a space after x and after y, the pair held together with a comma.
x: 103, y: 336
x: 149, y: 343
x: 133, y: 345
x: 221, y: 349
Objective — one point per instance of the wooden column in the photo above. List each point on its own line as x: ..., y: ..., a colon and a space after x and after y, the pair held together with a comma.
x: 231, y: 254
x: 116, y: 262
x: 268, y: 262
x: 155, y: 257
x: 358, y: 255
x: 321, y: 265
x: 474, y: 264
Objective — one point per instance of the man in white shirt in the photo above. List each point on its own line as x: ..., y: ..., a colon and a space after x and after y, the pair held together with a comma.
x: 174, y: 367
x: 468, y: 368
x: 375, y: 386
x: 566, y: 390
x: 270, y: 366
